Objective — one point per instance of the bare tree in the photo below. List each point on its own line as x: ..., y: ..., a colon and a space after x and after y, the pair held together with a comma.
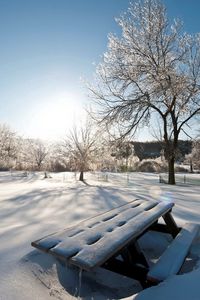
x: 39, y: 152
x: 122, y: 150
x: 151, y: 72
x: 58, y: 158
x: 8, y: 146
x: 194, y: 157
x: 33, y: 154
x: 82, y: 147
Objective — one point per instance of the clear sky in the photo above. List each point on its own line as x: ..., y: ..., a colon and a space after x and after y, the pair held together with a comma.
x: 46, y: 46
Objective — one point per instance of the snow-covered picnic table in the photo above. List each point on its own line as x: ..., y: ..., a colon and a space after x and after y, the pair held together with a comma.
x: 110, y: 239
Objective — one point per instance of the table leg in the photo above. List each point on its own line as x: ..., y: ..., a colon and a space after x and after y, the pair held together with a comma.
x: 171, y: 224
x: 136, y: 255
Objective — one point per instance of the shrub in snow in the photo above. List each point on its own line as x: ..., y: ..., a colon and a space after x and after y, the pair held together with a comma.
x: 151, y: 165
x: 180, y: 169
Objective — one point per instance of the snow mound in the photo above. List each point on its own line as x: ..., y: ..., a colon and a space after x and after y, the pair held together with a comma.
x: 66, y: 282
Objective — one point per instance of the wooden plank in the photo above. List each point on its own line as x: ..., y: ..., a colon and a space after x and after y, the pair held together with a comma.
x: 96, y: 254
x: 92, y: 242
x: 90, y: 237
x: 172, y: 259
x: 107, y: 221
x: 55, y: 238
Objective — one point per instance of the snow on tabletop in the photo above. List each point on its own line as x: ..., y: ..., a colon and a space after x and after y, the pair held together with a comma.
x: 93, y: 241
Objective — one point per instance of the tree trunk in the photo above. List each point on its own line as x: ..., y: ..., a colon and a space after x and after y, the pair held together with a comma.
x: 171, y: 171
x: 126, y: 164
x: 81, y: 178
x: 191, y: 167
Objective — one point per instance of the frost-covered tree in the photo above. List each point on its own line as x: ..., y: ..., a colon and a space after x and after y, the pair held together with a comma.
x: 194, y: 157
x: 122, y: 150
x: 33, y: 154
x: 8, y: 146
x: 58, y: 158
x: 82, y: 146
x: 152, y: 71
x: 39, y: 152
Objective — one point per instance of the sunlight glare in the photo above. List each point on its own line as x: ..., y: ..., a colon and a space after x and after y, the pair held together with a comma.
x: 52, y: 119
x: 155, y: 192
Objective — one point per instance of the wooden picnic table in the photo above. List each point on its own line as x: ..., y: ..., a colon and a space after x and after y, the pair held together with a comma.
x: 110, y: 239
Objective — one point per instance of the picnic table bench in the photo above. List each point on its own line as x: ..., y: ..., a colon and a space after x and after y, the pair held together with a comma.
x: 110, y: 240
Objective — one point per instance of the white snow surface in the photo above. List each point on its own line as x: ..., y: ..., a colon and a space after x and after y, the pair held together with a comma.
x: 32, y: 207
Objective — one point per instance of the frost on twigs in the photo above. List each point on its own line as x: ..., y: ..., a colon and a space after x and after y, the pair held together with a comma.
x: 151, y: 71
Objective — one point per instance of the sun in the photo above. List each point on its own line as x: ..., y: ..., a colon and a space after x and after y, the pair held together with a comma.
x: 53, y: 118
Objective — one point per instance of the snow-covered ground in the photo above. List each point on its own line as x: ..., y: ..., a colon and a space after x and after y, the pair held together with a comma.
x: 32, y: 207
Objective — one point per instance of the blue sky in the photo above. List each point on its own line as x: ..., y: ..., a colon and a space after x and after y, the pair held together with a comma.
x: 47, y: 46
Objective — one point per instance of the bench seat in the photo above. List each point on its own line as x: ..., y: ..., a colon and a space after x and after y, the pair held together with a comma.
x: 172, y: 259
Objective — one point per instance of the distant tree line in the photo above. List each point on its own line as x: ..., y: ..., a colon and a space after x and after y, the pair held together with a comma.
x: 154, y: 149
x: 85, y: 149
